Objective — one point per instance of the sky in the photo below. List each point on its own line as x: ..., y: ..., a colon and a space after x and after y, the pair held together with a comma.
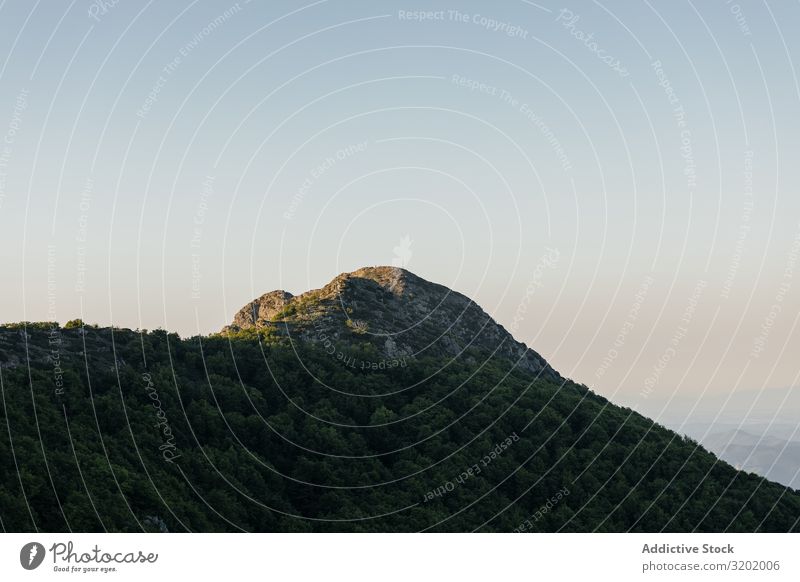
x: 614, y: 182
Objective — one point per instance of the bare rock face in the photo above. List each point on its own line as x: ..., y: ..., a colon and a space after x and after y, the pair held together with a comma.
x: 400, y: 314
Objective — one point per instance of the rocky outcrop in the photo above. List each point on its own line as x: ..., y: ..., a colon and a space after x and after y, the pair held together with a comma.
x: 262, y: 310
x: 399, y: 313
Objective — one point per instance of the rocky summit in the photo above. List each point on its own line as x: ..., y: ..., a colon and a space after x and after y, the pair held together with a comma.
x: 400, y: 314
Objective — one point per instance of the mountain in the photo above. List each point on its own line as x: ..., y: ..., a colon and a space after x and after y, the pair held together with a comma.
x: 399, y: 314
x: 381, y: 402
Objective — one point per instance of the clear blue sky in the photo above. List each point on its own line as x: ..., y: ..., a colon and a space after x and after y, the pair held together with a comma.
x: 166, y: 162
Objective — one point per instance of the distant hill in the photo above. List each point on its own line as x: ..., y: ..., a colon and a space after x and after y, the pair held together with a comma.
x: 766, y: 455
x: 754, y: 430
x: 381, y: 402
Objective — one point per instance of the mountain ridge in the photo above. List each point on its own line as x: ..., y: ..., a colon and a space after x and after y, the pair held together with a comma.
x: 268, y: 426
x: 401, y: 314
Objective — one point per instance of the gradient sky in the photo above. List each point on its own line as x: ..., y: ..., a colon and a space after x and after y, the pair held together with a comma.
x: 615, y: 182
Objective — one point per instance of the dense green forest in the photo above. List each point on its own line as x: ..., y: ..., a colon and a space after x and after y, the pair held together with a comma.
x: 125, y: 431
